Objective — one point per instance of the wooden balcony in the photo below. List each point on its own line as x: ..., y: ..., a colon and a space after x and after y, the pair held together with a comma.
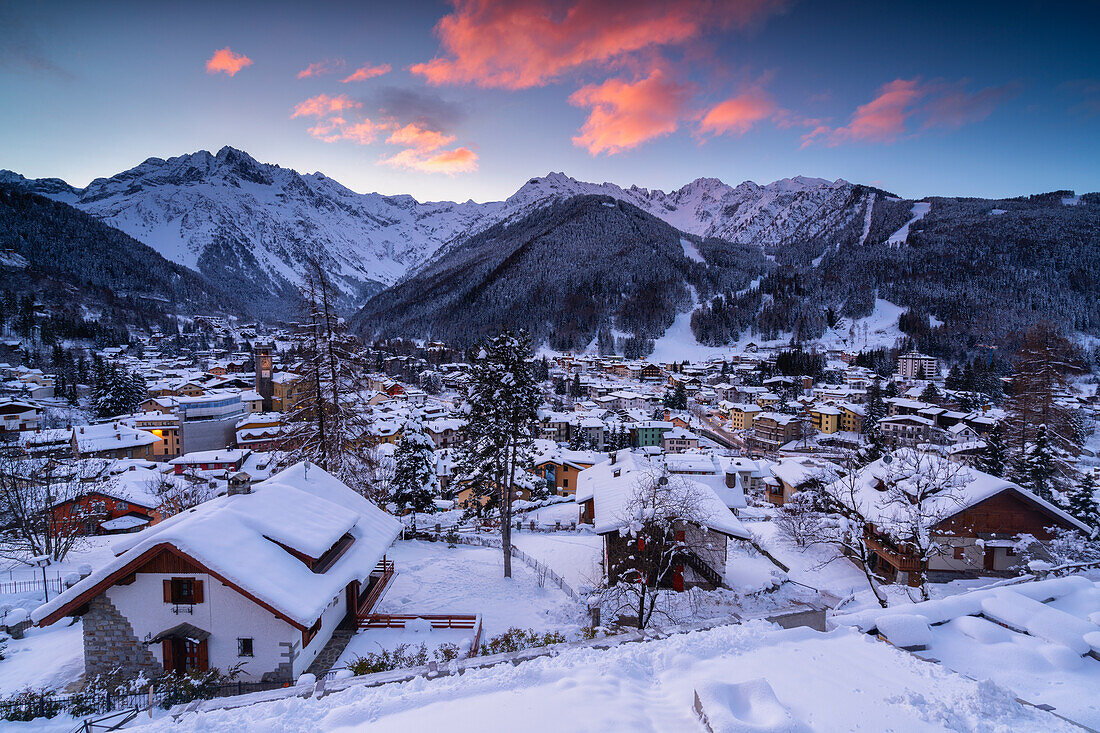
x: 379, y: 580
x: 437, y: 620
x: 903, y: 562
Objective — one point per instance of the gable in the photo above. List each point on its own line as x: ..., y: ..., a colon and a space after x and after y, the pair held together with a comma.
x: 1006, y: 512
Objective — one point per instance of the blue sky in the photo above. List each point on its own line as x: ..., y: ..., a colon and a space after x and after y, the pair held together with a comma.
x: 468, y: 100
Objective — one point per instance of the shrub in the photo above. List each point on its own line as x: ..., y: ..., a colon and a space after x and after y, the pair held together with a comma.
x: 513, y: 640
x: 177, y: 689
x: 29, y: 704
x: 402, y: 656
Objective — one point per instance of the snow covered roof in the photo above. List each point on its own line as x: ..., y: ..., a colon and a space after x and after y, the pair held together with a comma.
x: 222, y: 455
x: 612, y: 486
x: 796, y: 471
x: 966, y: 487
x: 110, y: 436
x: 235, y: 538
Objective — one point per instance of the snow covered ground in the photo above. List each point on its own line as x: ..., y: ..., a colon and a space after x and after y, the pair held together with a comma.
x: 575, y: 557
x: 920, y: 209
x: 432, y: 578
x: 751, y: 678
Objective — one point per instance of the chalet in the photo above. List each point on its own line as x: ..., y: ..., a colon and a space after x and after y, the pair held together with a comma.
x: 125, y: 502
x: 444, y: 431
x: 227, y: 459
x: 261, y: 577
x: 907, y: 429
x: 112, y: 440
x: 791, y: 475
x: 605, y: 493
x: 19, y: 415
x: 679, y: 440
x: 560, y: 468
x: 650, y: 372
x: 975, y: 523
x: 260, y: 431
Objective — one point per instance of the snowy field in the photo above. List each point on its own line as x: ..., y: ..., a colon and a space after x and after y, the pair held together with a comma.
x: 750, y: 678
x: 432, y: 578
x: 575, y: 557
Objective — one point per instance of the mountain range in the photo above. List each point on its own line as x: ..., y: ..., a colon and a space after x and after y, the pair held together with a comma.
x: 791, y: 257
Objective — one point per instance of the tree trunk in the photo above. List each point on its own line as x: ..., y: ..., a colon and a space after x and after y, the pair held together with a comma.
x: 506, y: 515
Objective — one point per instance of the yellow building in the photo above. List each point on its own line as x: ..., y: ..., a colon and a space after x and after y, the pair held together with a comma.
x: 741, y: 416
x: 767, y: 399
x: 851, y: 417
x: 826, y: 418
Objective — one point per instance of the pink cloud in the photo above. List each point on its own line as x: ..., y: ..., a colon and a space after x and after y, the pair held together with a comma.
x: 450, y: 162
x: 625, y: 114
x: 320, y: 68
x: 517, y: 45
x: 897, y: 106
x: 368, y: 72
x: 225, y: 61
x: 415, y: 136
x: 323, y: 104
x: 737, y: 115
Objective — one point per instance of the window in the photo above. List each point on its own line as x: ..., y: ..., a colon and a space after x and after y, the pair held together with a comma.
x: 565, y: 483
x: 959, y: 554
x: 244, y: 647
x: 183, y: 591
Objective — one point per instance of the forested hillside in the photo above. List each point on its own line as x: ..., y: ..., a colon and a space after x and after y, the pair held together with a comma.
x: 580, y: 268
x: 75, y: 264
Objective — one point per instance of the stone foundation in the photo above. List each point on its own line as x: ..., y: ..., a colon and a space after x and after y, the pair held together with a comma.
x: 110, y: 644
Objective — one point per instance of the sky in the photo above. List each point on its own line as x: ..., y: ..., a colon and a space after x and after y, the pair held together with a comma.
x: 470, y: 98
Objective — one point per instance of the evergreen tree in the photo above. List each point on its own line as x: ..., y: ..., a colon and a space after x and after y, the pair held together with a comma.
x: 676, y: 398
x: 993, y: 458
x: 1043, y: 365
x: 415, y: 483
x: 498, y: 454
x: 930, y: 394
x: 575, y: 389
x: 578, y: 440
x: 1035, y: 467
x: 875, y: 410
x: 1082, y: 501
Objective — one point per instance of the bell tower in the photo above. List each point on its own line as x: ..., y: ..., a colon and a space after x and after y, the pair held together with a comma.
x: 261, y: 356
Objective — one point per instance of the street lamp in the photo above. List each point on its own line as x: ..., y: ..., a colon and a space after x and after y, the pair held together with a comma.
x: 42, y: 561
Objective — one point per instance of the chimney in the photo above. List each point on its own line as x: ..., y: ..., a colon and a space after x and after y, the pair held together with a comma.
x: 239, y: 483
x: 731, y: 479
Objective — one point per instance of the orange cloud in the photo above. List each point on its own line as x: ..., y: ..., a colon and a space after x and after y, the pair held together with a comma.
x: 450, y: 162
x: 365, y: 132
x: 320, y: 68
x: 323, y: 104
x: 368, y: 72
x: 225, y: 61
x: 627, y: 114
x: 415, y: 136
x: 737, y: 115
x: 517, y: 45
x: 329, y: 130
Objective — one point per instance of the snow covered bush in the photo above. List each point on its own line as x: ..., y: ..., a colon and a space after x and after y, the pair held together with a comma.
x: 195, y: 685
x: 403, y: 656
x: 515, y: 639
x: 29, y: 704
x: 799, y: 520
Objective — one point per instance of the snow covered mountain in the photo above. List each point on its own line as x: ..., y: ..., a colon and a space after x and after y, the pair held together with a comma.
x: 250, y: 225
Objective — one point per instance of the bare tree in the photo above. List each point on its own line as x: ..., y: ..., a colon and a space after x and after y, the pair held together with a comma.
x: 327, y: 424
x: 39, y: 507
x: 655, y: 524
x: 180, y: 493
x: 801, y: 520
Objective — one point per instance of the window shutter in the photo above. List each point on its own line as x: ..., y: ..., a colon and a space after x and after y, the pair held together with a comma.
x: 166, y: 653
x: 167, y: 590
x: 203, y: 660
x: 198, y: 591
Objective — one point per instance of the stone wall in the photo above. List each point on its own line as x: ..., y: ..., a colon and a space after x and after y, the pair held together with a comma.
x: 110, y: 643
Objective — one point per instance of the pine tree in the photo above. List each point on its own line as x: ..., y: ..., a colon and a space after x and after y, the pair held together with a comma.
x: 993, y: 458
x: 1035, y: 467
x: 578, y: 440
x: 676, y: 398
x: 415, y: 482
x: 1043, y: 364
x: 498, y: 454
x: 930, y: 394
x: 1082, y: 501
x: 575, y: 389
x: 875, y: 410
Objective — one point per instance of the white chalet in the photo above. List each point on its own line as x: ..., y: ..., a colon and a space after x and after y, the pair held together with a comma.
x: 262, y: 576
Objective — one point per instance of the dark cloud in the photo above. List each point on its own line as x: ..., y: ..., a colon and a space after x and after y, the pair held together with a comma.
x: 21, y: 50
x: 422, y: 107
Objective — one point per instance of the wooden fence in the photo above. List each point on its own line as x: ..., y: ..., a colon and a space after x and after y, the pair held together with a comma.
x: 437, y: 620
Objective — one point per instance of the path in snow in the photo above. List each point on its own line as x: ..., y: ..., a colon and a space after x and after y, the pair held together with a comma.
x: 919, y: 210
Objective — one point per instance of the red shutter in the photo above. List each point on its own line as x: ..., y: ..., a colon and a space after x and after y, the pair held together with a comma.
x: 204, y: 659
x: 198, y: 591
x: 166, y: 653
x: 167, y: 590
